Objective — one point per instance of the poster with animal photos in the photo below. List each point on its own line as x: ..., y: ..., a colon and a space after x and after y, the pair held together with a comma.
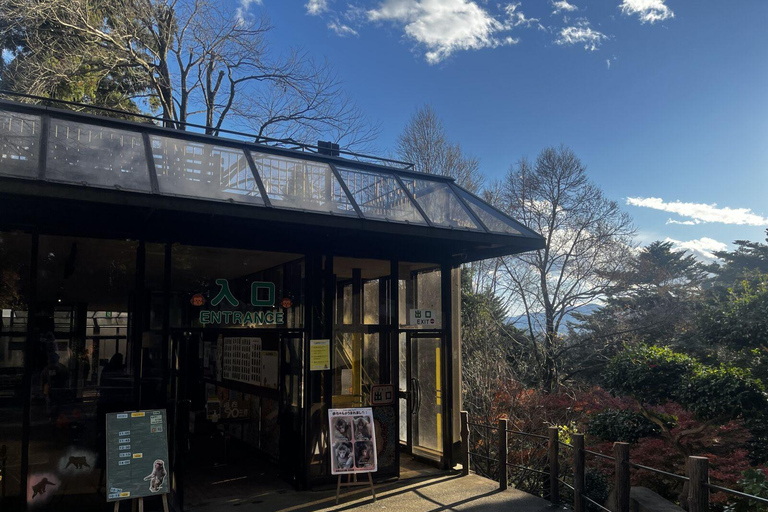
x: 353, y: 441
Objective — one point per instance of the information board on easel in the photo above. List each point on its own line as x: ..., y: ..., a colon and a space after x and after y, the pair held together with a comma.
x: 137, y: 456
x: 353, y: 446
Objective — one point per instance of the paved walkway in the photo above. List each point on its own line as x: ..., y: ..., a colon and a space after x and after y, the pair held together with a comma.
x: 419, y: 490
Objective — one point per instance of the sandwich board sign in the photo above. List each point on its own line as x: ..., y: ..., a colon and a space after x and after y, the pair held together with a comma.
x: 353, y: 441
x: 137, y: 454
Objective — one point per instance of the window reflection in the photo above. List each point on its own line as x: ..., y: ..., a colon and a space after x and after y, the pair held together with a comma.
x: 14, y: 287
x: 82, y: 365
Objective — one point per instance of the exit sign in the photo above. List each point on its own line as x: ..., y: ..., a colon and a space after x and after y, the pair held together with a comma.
x: 427, y: 317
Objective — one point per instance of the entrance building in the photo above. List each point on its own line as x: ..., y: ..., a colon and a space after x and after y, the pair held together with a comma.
x: 245, y: 288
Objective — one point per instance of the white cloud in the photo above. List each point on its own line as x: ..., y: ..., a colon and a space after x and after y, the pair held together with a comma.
x: 316, y: 7
x: 341, y: 29
x: 443, y: 26
x: 684, y: 222
x: 608, y: 63
x: 702, y: 247
x: 701, y: 213
x: 581, y: 33
x: 516, y: 18
x: 562, y: 6
x: 649, y: 11
x: 241, y: 13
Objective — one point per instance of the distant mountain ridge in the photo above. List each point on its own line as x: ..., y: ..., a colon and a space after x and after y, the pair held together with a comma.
x: 521, y: 322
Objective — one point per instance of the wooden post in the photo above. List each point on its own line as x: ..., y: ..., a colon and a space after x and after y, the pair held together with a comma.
x: 578, y: 472
x: 622, y: 485
x: 503, y: 451
x: 464, y: 443
x: 554, y: 465
x: 697, y: 471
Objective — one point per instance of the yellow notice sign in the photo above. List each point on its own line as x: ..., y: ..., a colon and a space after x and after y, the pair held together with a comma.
x: 319, y: 355
x: 137, y: 415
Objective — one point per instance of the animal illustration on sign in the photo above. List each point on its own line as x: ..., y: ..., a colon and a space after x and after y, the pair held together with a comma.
x: 157, y: 476
x: 39, y: 487
x: 79, y: 462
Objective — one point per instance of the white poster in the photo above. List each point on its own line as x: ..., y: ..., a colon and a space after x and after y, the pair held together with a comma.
x: 242, y: 360
x: 353, y: 441
x: 269, y: 366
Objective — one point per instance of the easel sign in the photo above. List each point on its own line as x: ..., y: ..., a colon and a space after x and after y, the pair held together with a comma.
x: 137, y: 456
x: 353, y: 441
x: 353, y: 446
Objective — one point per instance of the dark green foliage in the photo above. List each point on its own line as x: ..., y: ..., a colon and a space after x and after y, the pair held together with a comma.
x: 596, y: 486
x: 740, y: 264
x: 620, y: 425
x: 724, y: 393
x: 755, y: 483
x: 656, y: 375
x: 652, y: 375
x: 738, y: 318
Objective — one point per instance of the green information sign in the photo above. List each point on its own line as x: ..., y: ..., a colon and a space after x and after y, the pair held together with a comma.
x: 137, y: 454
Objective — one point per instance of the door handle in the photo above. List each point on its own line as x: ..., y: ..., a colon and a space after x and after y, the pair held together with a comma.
x: 417, y: 390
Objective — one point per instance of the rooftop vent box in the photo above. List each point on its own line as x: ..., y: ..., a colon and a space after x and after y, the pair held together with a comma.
x: 327, y: 148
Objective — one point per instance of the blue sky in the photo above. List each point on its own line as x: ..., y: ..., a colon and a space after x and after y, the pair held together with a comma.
x: 665, y: 101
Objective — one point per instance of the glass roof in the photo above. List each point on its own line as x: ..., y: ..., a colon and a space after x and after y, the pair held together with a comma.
x: 440, y: 204
x: 203, y: 170
x: 380, y: 196
x: 105, y: 153
x: 301, y: 184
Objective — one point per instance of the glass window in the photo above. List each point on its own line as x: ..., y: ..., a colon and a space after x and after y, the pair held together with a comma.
x: 19, y: 144
x: 93, y: 155
x: 493, y: 220
x: 302, y: 184
x: 193, y: 169
x: 440, y: 204
x: 223, y: 283
x: 380, y: 196
x: 82, y: 367
x: 420, y: 289
x: 15, y: 257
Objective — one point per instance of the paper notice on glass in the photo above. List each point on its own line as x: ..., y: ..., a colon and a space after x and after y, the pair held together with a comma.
x: 319, y: 355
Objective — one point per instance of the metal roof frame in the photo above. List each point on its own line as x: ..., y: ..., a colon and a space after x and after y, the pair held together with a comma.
x: 480, y: 241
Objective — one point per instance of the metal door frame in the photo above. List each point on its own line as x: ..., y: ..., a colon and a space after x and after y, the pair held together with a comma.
x: 412, y: 394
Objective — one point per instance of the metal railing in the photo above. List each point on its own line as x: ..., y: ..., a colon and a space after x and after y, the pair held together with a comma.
x: 696, y: 477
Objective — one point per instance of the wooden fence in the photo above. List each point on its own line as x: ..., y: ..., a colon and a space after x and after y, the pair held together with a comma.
x: 696, y: 477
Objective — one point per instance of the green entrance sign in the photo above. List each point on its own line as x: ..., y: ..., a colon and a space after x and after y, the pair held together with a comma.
x: 262, y: 295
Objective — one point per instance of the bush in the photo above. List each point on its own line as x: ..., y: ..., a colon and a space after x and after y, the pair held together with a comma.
x: 724, y: 392
x: 620, y: 425
x: 650, y: 374
x: 753, y: 482
x: 596, y: 486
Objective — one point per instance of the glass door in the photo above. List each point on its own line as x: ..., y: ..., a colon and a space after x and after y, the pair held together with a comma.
x: 424, y: 395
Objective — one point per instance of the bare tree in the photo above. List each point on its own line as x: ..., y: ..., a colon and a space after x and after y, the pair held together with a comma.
x: 587, y: 239
x: 198, y: 60
x: 425, y: 143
